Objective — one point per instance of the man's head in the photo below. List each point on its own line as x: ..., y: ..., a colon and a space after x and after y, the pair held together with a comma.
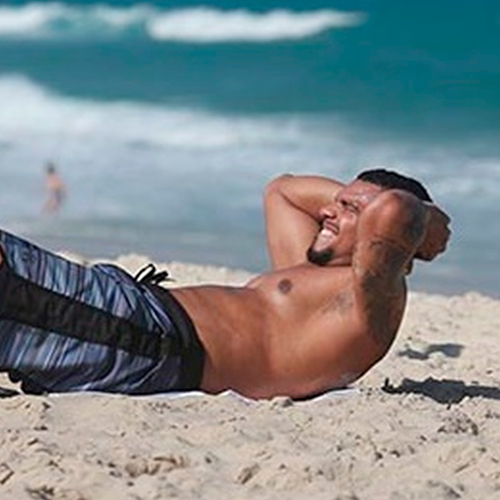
x: 336, y: 240
x: 392, y: 180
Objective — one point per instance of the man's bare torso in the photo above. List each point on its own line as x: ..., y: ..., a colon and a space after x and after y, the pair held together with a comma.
x: 297, y: 331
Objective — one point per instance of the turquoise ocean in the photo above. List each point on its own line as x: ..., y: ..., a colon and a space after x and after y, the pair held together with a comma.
x: 166, y: 119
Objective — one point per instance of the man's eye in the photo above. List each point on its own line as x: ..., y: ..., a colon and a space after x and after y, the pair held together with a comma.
x: 350, y: 207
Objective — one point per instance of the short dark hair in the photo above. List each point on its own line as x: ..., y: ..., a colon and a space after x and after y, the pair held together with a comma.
x: 392, y: 180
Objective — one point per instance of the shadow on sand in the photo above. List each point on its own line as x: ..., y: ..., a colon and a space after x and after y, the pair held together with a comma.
x: 443, y: 391
x: 449, y: 350
x: 8, y: 393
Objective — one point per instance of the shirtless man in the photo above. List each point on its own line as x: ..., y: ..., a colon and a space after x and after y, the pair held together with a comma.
x: 56, y: 190
x: 307, y: 326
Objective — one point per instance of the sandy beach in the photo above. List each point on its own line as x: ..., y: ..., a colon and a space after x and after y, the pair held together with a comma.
x: 423, y: 424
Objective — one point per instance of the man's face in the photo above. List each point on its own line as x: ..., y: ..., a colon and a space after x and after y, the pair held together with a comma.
x: 336, y: 239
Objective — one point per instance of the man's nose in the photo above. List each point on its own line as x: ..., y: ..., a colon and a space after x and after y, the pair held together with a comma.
x: 328, y: 211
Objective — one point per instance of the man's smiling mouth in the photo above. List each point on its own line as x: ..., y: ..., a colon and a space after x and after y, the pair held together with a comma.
x: 329, y: 228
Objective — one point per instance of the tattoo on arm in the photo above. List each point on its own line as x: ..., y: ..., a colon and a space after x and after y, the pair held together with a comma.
x: 390, y: 256
x: 383, y: 260
x: 382, y: 287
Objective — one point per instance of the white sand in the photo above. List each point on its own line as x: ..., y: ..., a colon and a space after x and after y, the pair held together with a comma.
x: 435, y: 436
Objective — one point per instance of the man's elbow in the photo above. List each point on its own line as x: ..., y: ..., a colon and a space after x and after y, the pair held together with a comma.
x: 276, y: 185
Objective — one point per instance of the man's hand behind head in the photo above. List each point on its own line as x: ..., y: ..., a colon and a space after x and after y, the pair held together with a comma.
x: 437, y: 234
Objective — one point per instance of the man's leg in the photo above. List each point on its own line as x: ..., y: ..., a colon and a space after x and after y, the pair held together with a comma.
x: 67, y: 327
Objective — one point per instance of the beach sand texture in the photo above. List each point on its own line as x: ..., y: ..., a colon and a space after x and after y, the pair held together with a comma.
x: 423, y: 424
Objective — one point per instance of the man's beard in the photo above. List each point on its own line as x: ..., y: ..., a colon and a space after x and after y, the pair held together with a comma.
x: 319, y: 257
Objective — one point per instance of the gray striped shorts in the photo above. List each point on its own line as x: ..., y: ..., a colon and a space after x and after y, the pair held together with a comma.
x: 68, y: 327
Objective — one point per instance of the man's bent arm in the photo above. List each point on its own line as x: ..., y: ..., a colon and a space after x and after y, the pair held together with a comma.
x: 390, y: 230
x: 292, y: 210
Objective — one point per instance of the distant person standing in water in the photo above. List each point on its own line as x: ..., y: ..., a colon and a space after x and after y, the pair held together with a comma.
x: 56, y: 190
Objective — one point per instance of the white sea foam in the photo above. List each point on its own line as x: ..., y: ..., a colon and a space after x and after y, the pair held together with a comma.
x: 205, y: 24
x: 192, y: 25
x: 33, y: 118
x: 28, y: 20
x: 28, y: 109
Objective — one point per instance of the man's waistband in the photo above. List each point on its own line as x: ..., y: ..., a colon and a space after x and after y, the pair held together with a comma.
x: 191, y: 350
